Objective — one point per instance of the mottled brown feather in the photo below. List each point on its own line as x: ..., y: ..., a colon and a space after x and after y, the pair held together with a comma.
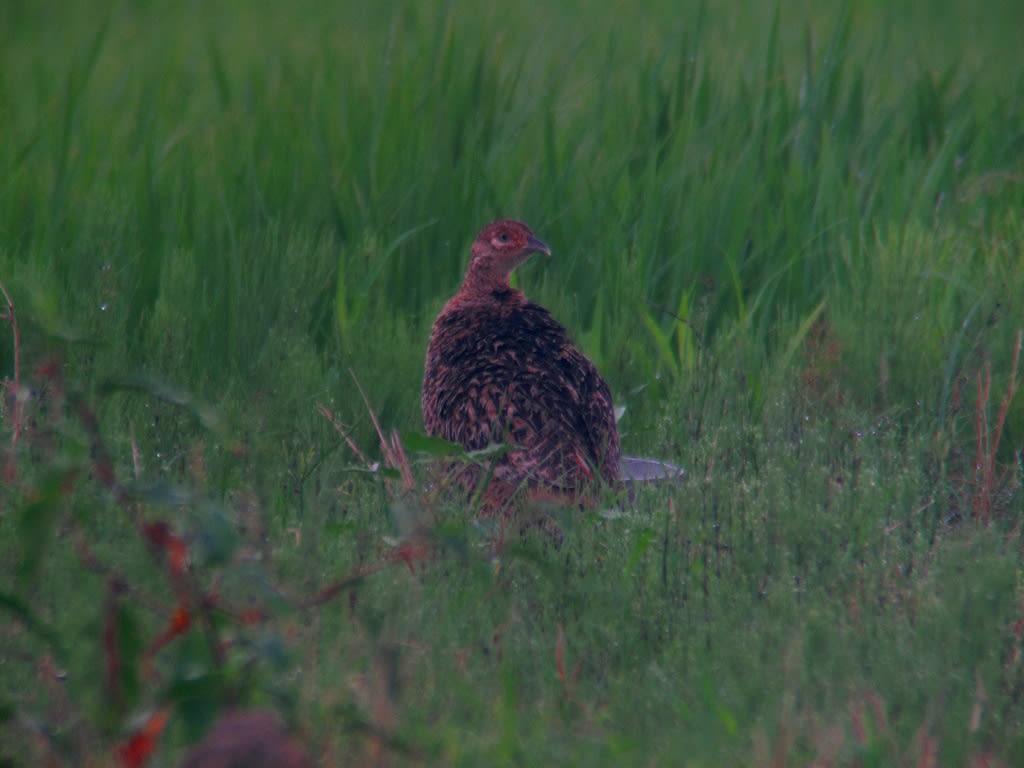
x: 501, y: 369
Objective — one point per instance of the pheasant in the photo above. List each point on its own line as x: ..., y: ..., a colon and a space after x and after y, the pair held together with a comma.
x: 501, y: 369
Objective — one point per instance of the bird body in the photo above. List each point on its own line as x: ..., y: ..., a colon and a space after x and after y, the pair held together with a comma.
x: 501, y: 369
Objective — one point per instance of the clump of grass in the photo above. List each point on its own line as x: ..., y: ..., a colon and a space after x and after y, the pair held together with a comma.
x: 177, y: 600
x: 798, y: 563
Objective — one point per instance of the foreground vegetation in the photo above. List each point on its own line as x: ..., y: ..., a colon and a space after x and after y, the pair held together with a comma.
x: 791, y: 240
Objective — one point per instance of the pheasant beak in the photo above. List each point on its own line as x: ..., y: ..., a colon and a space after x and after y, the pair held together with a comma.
x: 538, y: 245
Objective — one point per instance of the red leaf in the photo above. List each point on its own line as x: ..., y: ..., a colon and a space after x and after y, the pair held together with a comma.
x: 177, y: 555
x: 409, y: 553
x: 48, y: 370
x: 157, y: 533
x: 252, y: 616
x: 160, y: 536
x: 136, y: 752
x: 181, y: 620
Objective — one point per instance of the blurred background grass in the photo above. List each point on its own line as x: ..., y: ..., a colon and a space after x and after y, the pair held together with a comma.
x: 183, y: 180
x: 789, y: 235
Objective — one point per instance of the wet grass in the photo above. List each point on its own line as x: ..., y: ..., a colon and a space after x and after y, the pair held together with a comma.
x: 791, y: 240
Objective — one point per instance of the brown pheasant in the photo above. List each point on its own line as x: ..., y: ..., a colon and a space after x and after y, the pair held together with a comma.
x: 500, y: 369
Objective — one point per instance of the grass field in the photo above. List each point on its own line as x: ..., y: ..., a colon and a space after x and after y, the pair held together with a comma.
x: 790, y: 237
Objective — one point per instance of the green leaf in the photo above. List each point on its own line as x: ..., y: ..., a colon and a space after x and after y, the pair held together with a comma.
x: 492, y: 451
x: 23, y: 613
x: 201, y: 687
x: 215, y: 537
x: 801, y: 333
x: 130, y: 645
x: 36, y: 521
x: 641, y: 543
x: 371, y: 278
x: 435, y: 446
x: 661, y: 342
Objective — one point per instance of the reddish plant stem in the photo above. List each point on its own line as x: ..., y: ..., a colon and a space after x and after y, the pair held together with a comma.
x: 14, y: 386
x: 986, y: 440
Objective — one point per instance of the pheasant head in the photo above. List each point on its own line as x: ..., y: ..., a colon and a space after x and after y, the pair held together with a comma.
x: 500, y: 247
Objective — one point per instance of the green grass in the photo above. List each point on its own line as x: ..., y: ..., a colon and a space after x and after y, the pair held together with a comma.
x: 791, y: 239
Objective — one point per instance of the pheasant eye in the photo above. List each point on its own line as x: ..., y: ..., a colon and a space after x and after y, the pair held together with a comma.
x: 503, y: 237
